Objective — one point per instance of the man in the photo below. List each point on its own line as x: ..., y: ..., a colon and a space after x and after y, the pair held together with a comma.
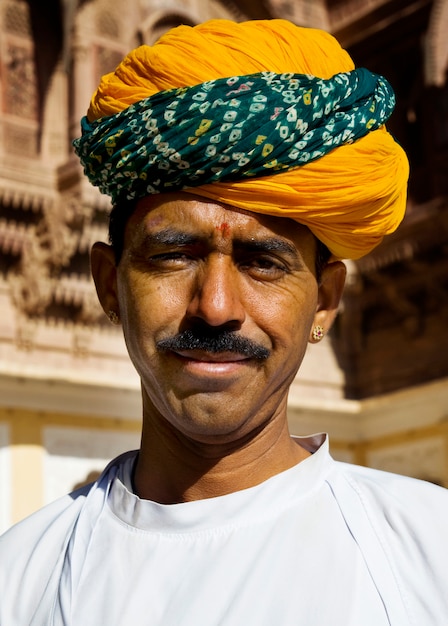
x: 243, y: 161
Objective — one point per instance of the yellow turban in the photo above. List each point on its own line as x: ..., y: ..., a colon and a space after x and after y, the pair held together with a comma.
x: 350, y: 198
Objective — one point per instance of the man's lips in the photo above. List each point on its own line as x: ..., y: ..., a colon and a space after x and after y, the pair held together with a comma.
x: 203, y: 370
x: 211, y: 357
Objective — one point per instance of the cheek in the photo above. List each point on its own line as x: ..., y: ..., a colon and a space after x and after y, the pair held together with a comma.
x: 147, y: 304
x: 290, y: 309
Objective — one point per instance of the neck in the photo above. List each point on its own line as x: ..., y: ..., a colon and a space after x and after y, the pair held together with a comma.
x: 173, y: 468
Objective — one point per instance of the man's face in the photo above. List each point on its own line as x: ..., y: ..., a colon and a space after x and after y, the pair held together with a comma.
x: 216, y: 306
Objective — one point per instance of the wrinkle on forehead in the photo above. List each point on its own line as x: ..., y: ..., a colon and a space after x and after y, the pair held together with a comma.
x: 152, y: 202
x: 224, y: 219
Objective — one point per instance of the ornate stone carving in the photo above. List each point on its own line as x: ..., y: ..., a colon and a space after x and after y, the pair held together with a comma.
x: 47, y: 249
x: 20, y: 82
x: 16, y: 18
x: 31, y: 284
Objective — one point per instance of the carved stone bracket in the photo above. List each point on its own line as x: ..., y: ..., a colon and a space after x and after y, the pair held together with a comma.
x: 32, y: 284
x: 47, y: 248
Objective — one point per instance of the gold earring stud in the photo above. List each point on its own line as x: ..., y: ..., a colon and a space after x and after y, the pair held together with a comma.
x: 318, y: 333
x: 113, y: 318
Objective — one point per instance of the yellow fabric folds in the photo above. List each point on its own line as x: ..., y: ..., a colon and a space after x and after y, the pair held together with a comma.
x: 349, y: 198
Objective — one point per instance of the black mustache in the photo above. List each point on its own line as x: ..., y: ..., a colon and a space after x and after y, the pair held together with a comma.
x: 214, y: 342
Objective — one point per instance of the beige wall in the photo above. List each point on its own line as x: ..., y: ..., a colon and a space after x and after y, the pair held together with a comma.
x: 56, y: 434
x: 49, y: 454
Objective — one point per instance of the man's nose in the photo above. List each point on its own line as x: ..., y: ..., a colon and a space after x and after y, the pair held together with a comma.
x: 216, y: 299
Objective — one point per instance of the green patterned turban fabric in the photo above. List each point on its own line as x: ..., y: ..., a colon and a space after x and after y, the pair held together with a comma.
x: 229, y: 129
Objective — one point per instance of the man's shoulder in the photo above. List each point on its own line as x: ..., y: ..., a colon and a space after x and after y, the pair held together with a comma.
x: 40, y: 535
x: 56, y: 519
x: 48, y: 517
x: 392, y: 487
x: 399, y: 524
x: 403, y: 511
x: 33, y: 551
x: 29, y: 555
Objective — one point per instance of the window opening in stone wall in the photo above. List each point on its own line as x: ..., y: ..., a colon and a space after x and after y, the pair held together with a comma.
x: 165, y: 24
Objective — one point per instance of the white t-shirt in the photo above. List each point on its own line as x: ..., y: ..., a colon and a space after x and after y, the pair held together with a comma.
x: 323, y: 543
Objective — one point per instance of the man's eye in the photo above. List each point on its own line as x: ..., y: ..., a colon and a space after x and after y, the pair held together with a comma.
x: 169, y: 258
x: 264, y: 267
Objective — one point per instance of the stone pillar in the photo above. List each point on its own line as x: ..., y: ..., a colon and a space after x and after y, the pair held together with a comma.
x: 81, y: 84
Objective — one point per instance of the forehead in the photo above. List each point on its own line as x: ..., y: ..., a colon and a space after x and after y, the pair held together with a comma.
x: 194, y: 214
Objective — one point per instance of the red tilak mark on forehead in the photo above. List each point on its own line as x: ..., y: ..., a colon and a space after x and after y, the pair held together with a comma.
x: 224, y: 229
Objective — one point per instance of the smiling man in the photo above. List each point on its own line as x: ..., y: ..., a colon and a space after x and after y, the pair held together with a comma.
x: 244, y: 161
x: 217, y: 306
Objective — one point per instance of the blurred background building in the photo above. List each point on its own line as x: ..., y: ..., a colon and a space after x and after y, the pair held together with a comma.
x: 69, y: 398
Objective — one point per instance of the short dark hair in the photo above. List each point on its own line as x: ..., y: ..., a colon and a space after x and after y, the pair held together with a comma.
x: 323, y: 255
x: 122, y: 212
x: 118, y: 219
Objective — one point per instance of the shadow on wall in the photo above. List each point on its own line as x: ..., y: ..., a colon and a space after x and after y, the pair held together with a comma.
x: 90, y: 478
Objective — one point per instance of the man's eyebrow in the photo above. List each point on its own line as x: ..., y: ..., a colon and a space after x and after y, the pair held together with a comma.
x: 169, y: 237
x: 173, y: 237
x: 269, y: 244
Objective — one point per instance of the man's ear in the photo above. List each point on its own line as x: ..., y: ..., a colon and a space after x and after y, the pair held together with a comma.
x: 104, y: 272
x: 331, y: 287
